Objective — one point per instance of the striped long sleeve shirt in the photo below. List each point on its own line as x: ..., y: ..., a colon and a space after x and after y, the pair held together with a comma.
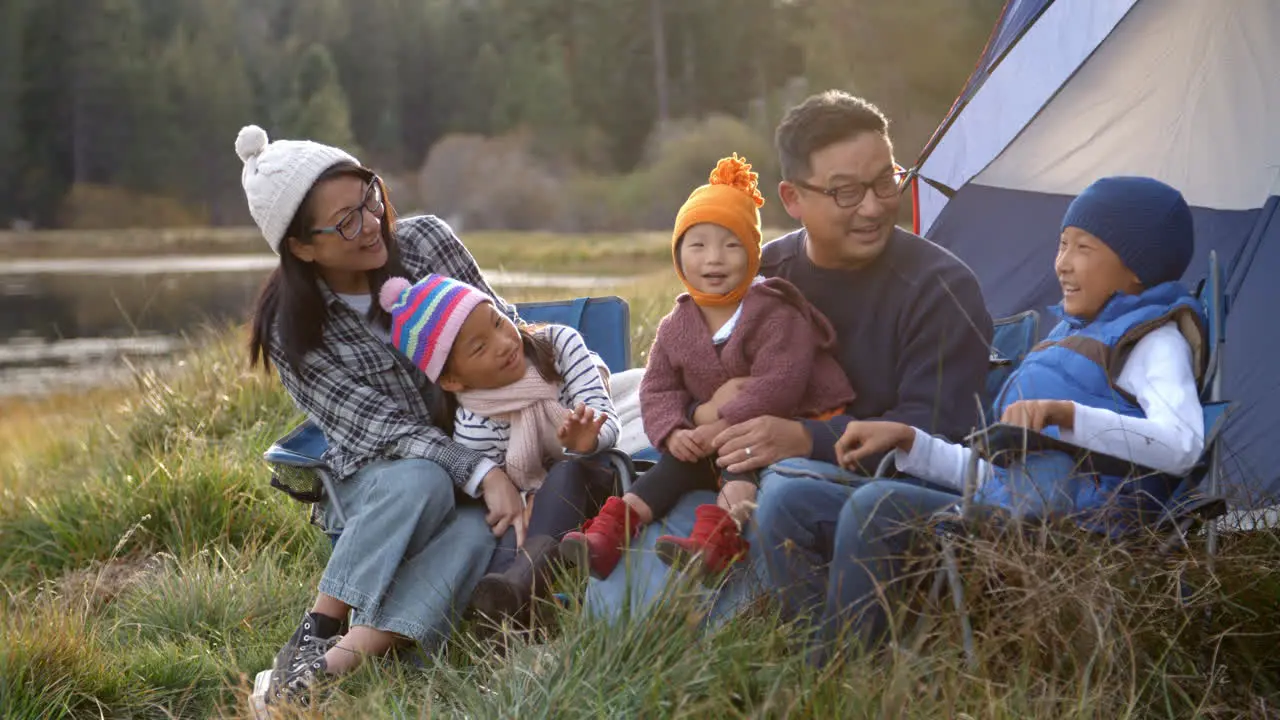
x: 582, y: 386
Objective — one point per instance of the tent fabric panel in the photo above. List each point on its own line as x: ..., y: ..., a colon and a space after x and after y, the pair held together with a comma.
x: 1029, y: 75
x: 1014, y: 19
x: 1251, y: 453
x: 1183, y: 90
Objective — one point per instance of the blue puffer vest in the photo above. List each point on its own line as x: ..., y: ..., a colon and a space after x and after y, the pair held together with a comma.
x: 1080, y: 361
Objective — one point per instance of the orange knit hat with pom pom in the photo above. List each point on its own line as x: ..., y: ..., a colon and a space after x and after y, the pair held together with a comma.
x: 732, y: 200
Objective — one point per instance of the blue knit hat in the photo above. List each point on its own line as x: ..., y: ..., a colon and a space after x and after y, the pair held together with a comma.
x: 1146, y: 223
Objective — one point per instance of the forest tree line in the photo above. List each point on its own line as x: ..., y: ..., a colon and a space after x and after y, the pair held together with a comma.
x: 561, y: 114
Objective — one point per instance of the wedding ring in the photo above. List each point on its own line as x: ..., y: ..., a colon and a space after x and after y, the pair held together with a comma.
x: 748, y: 452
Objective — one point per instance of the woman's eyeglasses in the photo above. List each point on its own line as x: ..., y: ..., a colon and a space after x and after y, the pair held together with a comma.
x: 351, y: 224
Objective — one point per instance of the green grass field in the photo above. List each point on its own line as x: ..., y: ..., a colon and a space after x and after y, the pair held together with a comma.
x: 147, y: 570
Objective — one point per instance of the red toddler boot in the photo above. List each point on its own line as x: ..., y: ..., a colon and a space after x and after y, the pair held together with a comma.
x: 714, y: 545
x: 602, y: 538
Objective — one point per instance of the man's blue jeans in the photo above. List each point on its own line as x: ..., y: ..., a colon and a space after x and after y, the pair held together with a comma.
x: 834, y: 554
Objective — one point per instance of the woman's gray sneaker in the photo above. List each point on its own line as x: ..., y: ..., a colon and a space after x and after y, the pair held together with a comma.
x: 314, y: 629
x: 298, y: 667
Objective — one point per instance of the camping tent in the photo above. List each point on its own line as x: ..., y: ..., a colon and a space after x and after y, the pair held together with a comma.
x: 1186, y: 91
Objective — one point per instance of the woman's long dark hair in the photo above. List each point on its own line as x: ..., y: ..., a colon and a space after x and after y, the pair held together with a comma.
x: 290, y: 309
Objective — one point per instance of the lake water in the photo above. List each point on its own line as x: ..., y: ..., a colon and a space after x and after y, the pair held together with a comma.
x: 67, y: 323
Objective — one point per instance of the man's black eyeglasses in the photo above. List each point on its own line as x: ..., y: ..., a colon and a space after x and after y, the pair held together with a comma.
x: 852, y: 194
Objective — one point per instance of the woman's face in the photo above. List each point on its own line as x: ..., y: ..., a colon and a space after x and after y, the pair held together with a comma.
x: 488, y: 353
x: 346, y: 232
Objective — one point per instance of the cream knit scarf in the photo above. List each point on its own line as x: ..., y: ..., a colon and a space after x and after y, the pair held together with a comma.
x: 532, y: 406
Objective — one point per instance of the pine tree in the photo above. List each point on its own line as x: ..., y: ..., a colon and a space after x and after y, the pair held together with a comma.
x: 319, y: 109
x: 12, y: 26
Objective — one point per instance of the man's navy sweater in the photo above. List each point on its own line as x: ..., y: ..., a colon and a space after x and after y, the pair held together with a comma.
x: 914, y: 334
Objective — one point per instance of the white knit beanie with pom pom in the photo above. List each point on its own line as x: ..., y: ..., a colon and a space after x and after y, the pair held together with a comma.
x: 277, y: 175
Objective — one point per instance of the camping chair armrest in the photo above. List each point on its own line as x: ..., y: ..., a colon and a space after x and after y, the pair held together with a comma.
x: 1003, y: 444
x: 302, y: 447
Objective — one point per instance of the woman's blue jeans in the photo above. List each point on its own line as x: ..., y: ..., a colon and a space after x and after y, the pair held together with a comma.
x: 410, y: 553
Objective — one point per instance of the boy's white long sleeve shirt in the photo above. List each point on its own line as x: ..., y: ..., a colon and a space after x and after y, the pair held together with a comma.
x: 1170, y: 438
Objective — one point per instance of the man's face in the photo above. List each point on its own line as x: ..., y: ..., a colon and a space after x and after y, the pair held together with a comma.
x: 847, y: 237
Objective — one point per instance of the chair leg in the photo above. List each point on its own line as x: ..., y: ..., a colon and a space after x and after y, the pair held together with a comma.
x: 1211, y: 531
x: 1178, y: 536
x: 333, y: 496
x: 939, y: 582
x: 952, y: 569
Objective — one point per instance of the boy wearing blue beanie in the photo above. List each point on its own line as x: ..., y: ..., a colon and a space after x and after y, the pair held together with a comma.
x: 1118, y: 375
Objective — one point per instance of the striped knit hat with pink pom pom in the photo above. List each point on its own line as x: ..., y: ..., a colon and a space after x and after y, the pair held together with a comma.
x: 427, y: 316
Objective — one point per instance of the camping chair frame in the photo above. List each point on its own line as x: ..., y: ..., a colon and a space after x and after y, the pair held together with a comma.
x: 297, y: 459
x: 1003, y: 443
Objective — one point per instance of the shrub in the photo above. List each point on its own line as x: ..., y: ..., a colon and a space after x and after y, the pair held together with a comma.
x: 482, y: 183
x: 678, y: 159
x: 94, y: 207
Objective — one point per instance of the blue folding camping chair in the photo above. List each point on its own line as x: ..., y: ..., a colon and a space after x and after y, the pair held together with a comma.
x: 297, y: 459
x: 1192, y: 506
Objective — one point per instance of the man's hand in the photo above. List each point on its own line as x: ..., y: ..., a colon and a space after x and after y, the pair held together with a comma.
x: 1036, y: 415
x: 864, y: 439
x: 709, y: 412
x: 761, y: 442
x: 683, y: 446
x: 580, y: 432
x: 506, y: 509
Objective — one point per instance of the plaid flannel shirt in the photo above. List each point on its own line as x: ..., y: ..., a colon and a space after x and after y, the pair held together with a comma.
x: 370, y: 401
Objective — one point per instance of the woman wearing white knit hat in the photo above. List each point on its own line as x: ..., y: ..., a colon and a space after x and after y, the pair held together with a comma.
x: 409, y: 554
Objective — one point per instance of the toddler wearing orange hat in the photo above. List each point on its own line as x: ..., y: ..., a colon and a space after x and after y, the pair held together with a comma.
x: 729, y: 324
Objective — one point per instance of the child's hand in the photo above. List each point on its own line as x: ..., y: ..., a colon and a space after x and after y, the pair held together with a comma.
x: 864, y: 439
x: 704, y: 436
x: 1036, y: 415
x: 506, y: 509
x: 684, y: 446
x: 580, y: 432
x: 709, y: 412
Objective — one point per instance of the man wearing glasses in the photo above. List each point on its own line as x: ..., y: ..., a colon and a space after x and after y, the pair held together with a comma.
x: 913, y: 328
x: 909, y: 316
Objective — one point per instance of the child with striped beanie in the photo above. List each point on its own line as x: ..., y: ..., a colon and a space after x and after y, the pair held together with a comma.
x: 730, y: 325
x: 531, y: 400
